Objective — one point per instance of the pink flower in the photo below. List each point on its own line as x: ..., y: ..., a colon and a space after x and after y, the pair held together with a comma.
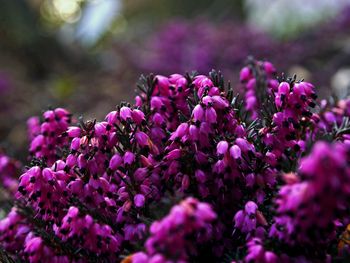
x: 125, y: 113
x: 139, y: 200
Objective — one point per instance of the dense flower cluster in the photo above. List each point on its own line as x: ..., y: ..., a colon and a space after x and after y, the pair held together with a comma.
x: 256, y: 252
x: 312, y: 205
x: 284, y: 109
x: 177, y: 236
x: 333, y: 120
x: 46, y: 137
x: 258, y: 81
x: 17, y: 236
x: 9, y: 169
x: 250, y: 189
x: 250, y: 220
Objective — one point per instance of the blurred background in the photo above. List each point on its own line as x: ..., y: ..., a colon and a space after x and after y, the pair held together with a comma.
x: 87, y: 55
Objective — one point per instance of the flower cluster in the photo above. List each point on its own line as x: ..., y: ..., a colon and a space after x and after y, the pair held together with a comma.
x: 250, y: 220
x: 333, y: 120
x: 177, y: 236
x: 100, y: 190
x: 286, y: 136
x: 9, y: 169
x: 307, y: 210
x: 17, y: 237
x: 82, y: 231
x: 46, y: 137
x: 259, y: 82
x: 257, y: 253
x: 13, y: 231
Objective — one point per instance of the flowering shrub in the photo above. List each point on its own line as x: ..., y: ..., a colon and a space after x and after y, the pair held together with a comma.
x: 183, y: 45
x: 189, y: 173
x: 201, y: 45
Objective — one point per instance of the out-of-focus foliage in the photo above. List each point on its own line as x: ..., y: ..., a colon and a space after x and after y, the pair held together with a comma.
x: 158, y: 10
x: 87, y: 54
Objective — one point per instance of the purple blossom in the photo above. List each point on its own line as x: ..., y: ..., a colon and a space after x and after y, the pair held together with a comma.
x: 98, y: 190
x: 307, y: 210
x: 257, y: 253
x: 9, y: 170
x: 175, y: 237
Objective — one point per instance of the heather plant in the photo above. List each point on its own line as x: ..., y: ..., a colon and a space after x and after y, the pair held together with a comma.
x: 183, y: 45
x: 190, y: 172
x: 202, y: 45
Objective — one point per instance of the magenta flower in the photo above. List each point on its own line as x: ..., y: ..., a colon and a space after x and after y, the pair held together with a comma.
x: 304, y: 211
x: 257, y: 253
x: 99, y: 190
x: 173, y: 238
